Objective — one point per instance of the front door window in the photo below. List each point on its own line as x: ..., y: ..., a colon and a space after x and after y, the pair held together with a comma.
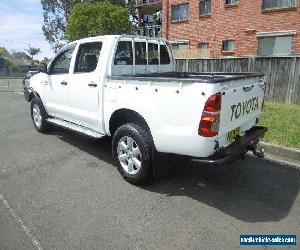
x: 62, y: 62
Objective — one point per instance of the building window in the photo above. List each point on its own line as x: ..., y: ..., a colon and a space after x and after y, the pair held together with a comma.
x: 179, y: 46
x: 231, y: 2
x: 203, y: 45
x: 204, y: 7
x: 275, y: 4
x: 228, y: 45
x: 275, y: 46
x: 180, y: 49
x: 179, y: 12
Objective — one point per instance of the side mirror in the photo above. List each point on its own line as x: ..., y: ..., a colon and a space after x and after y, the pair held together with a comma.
x: 43, y: 68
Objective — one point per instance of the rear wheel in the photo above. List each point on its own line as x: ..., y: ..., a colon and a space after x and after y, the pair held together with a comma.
x: 38, y: 116
x: 132, y: 152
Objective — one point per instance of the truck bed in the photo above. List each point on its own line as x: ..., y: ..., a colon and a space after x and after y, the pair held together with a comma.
x: 209, y: 77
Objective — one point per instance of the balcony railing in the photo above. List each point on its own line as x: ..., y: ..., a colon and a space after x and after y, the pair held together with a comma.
x: 148, y: 30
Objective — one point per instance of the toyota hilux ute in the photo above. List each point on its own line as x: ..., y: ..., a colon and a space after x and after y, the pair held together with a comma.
x: 126, y: 87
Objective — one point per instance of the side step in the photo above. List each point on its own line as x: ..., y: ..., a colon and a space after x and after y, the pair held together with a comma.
x: 75, y: 127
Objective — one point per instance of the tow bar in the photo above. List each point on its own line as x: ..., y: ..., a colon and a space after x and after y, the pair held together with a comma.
x: 258, y: 151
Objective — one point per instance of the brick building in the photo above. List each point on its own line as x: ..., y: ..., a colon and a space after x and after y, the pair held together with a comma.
x: 234, y: 27
x: 149, y: 17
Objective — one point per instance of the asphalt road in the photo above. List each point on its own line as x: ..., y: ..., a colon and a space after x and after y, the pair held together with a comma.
x: 61, y: 191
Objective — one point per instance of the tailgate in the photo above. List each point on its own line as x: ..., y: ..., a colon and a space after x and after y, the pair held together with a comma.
x: 241, y: 104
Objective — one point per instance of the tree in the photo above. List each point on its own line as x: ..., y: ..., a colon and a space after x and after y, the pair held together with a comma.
x: 3, y: 52
x: 19, y: 55
x: 4, y: 62
x: 56, y: 13
x: 45, y: 60
x: 98, y: 19
x: 131, y: 6
x: 33, y: 51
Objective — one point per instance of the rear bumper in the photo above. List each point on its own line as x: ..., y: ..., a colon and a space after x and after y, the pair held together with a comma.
x: 237, y: 149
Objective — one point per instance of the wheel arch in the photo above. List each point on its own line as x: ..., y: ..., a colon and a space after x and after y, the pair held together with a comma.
x: 30, y: 93
x: 160, y: 164
x: 123, y: 116
x: 36, y: 95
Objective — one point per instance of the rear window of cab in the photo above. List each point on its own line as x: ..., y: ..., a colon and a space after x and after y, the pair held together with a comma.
x: 124, y: 53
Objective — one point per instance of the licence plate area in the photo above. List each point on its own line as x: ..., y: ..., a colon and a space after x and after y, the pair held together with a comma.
x: 233, y: 134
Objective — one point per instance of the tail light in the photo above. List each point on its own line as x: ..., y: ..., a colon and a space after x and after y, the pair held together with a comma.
x: 210, y: 120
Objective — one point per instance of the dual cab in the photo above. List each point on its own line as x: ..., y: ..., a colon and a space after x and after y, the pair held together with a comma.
x: 126, y: 87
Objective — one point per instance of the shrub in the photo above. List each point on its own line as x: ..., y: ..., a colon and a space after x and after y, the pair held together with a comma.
x: 97, y: 19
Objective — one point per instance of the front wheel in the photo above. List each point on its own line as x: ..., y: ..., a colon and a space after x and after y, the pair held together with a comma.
x: 131, y: 148
x: 38, y: 116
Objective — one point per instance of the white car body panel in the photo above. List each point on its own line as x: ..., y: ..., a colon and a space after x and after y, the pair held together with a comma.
x: 174, y: 117
x: 57, y: 95
x: 84, y: 100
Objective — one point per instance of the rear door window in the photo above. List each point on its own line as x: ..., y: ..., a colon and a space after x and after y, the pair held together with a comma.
x: 87, y: 57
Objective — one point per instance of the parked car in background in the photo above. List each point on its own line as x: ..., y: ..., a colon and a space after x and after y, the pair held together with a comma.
x: 126, y: 87
x: 28, y: 75
x: 31, y: 73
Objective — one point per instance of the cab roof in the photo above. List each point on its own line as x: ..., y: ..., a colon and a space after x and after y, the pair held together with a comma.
x: 111, y: 37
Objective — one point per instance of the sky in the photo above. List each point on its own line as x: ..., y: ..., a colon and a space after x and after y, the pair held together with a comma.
x: 21, y: 25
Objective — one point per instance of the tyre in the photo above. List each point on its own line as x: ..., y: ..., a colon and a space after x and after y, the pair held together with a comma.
x: 38, y: 116
x: 131, y: 148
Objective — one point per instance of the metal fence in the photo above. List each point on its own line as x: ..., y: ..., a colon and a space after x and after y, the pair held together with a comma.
x: 6, y: 72
x: 11, y: 84
x: 282, y: 74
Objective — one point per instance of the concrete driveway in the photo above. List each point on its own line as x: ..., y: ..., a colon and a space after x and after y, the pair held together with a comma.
x: 61, y: 191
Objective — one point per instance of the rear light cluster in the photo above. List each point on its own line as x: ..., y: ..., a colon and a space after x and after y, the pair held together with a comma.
x: 210, y: 120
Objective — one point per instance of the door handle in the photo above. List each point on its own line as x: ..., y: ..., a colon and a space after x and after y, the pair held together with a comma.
x: 64, y: 83
x: 247, y: 89
x: 92, y: 84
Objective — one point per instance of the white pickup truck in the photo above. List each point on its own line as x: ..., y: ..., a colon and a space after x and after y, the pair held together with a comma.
x: 126, y: 87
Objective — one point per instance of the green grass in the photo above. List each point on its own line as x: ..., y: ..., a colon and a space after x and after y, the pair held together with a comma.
x: 283, y: 122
